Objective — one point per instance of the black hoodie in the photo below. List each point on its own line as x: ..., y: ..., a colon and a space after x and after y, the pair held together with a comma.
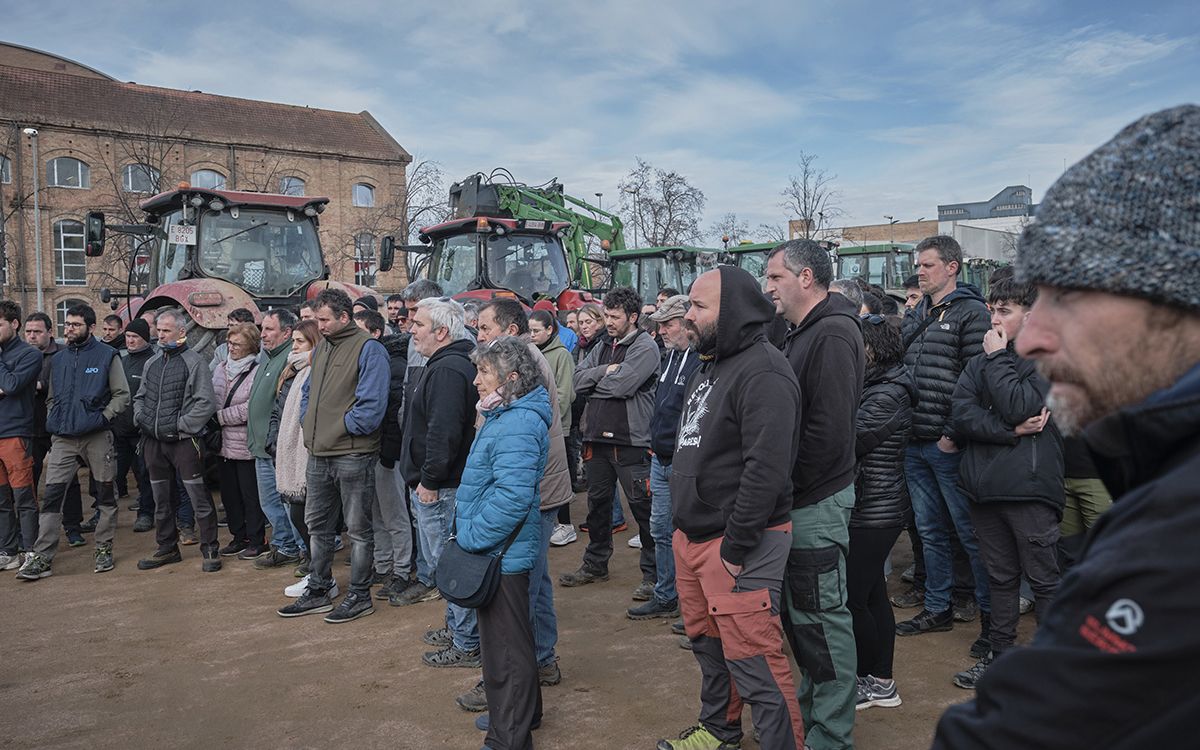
x: 826, y: 353
x: 440, y: 419
x: 738, y: 433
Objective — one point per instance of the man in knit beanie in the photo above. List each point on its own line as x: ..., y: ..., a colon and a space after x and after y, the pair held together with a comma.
x: 1115, y: 253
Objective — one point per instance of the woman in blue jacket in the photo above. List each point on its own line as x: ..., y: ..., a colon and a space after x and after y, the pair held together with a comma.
x: 499, y: 495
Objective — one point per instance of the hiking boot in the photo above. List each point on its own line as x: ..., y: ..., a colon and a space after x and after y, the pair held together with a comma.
x: 414, y: 594
x: 564, y: 534
x: 438, y: 637
x: 653, y: 609
x: 909, y: 599
x: 10, y: 562
x: 75, y: 539
x: 104, y: 558
x: 274, y: 558
x: 352, y: 607
x: 677, y: 628
x: 644, y: 592
x: 484, y: 723
x: 236, y: 547
x: 875, y: 692
x: 308, y: 604
x: 297, y: 589
x: 582, y: 577
x: 966, y: 611
x: 550, y: 674
x: 395, y: 585
x: 967, y: 679
x: 926, y: 622
x: 474, y: 700
x: 910, y: 574
x: 35, y: 567
x: 162, y: 556
x: 452, y: 656
x: 697, y: 738
x: 983, y: 644
x: 211, y: 558
x: 187, y: 535
x: 143, y: 523
x: 89, y: 526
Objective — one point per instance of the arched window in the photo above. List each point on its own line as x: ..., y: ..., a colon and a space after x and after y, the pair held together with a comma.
x: 69, y: 173
x: 60, y: 314
x: 5, y: 170
x: 209, y: 179
x: 139, y: 178
x: 364, y: 259
x: 291, y: 186
x: 70, y: 266
x: 364, y: 195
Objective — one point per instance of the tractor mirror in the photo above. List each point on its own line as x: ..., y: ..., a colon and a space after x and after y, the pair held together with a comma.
x: 387, y: 254
x: 94, y: 234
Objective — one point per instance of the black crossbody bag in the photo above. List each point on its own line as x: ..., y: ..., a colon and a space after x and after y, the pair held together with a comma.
x: 470, y: 579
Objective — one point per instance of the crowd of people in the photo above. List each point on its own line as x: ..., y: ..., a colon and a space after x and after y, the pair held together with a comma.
x: 772, y: 439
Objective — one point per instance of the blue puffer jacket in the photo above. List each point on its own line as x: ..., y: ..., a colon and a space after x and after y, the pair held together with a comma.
x: 500, y: 483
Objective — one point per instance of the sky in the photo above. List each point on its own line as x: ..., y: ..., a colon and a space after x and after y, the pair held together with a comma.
x: 908, y: 104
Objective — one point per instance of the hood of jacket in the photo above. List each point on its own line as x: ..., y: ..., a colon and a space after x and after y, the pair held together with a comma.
x: 396, y: 344
x: 745, y: 312
x: 536, y: 401
x: 897, y: 374
x: 832, y: 306
x: 554, y: 343
x: 962, y: 291
x: 461, y: 348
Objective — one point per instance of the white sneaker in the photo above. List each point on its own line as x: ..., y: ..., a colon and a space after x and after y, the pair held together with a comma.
x: 296, y: 590
x: 635, y: 541
x: 1024, y: 606
x: 564, y: 534
x: 10, y: 562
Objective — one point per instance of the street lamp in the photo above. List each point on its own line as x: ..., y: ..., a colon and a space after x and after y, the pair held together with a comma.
x: 892, y: 220
x: 37, y: 219
x: 600, y: 201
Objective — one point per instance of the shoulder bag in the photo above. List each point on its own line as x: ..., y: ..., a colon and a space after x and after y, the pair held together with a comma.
x: 470, y: 579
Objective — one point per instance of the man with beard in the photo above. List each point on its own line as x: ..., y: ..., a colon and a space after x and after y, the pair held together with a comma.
x: 1115, y: 252
x: 86, y: 391
x: 732, y: 491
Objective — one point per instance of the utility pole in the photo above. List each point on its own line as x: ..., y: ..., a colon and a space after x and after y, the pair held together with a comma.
x: 37, y: 219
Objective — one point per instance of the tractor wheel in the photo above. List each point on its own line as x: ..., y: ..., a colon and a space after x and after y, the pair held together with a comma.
x: 202, y: 341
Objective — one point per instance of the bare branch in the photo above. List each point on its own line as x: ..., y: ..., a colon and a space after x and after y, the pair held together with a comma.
x: 665, y: 207
x: 811, y: 198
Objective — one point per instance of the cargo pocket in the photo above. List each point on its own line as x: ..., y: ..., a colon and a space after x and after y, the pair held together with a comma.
x: 747, y: 626
x: 1048, y: 539
x: 815, y: 579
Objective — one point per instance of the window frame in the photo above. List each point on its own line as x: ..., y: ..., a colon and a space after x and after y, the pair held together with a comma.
x: 370, y: 260
x: 223, y: 180
x: 83, y: 172
x: 354, y: 197
x: 59, y: 234
x: 283, y: 190
x: 153, y: 177
x: 5, y: 170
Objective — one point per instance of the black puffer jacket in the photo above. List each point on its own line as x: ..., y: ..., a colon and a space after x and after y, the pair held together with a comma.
x: 938, y: 353
x: 389, y: 440
x: 881, y: 432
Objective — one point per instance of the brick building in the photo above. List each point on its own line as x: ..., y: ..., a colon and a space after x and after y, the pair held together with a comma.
x: 103, y: 144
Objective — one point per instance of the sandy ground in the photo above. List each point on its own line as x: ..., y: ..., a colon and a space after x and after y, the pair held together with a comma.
x: 177, y: 658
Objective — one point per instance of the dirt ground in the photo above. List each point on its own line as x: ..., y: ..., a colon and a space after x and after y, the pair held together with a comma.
x: 177, y: 658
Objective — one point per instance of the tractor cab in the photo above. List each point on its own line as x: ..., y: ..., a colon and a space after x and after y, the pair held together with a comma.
x: 648, y: 269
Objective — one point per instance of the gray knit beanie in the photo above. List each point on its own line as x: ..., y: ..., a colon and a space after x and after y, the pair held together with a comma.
x: 1125, y: 219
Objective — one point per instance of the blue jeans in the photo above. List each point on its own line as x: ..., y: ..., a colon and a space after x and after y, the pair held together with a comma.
x: 618, y: 512
x: 661, y: 529
x: 284, y: 536
x: 433, y: 529
x: 541, y: 596
x: 347, y: 482
x: 187, y: 514
x: 940, y: 511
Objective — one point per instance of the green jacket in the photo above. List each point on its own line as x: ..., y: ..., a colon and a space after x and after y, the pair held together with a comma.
x: 262, y: 399
x: 563, y: 365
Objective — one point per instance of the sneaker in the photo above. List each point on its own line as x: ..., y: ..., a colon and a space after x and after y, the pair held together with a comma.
x: 550, y: 674
x: 187, y: 535
x: 982, y: 644
x: 35, y: 567
x: 484, y: 723
x: 564, y: 534
x: 160, y: 558
x: 644, y: 592
x: 395, y: 584
x: 308, y: 604
x: 104, y: 558
x: 876, y: 692
x: 237, y: 546
x: 474, y: 700
x: 966, y: 611
x: 677, y: 628
x: 438, y: 637
x: 909, y: 599
x: 582, y: 577
x: 653, y: 609
x: 968, y: 679
x: 635, y: 541
x: 578, y: 487
x: 380, y: 579
x: 10, y: 562
x: 1024, y: 606
x: 414, y: 594
x: 697, y: 738
x: 223, y: 521
x: 143, y: 523
x: 352, y: 607
x: 89, y: 526
x: 338, y: 544
x: 303, y: 568
x: 452, y: 656
x: 297, y: 589
x: 685, y: 643
x: 926, y: 622
x: 253, y: 551
x: 211, y: 558
x: 135, y: 505
x: 75, y: 539
x: 274, y: 558
x: 910, y: 574
x: 620, y: 527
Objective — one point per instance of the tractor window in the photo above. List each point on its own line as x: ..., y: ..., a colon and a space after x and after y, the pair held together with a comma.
x: 452, y: 265
x: 261, y: 251
x: 173, y: 258
x: 754, y: 264
x: 532, y: 266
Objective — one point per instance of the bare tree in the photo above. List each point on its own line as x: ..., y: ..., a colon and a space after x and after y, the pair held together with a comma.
x: 262, y: 175
x: 771, y: 233
x: 729, y: 228
x: 665, y: 207
x: 811, y: 198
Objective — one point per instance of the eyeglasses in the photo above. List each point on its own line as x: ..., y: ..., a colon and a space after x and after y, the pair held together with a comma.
x: 873, y: 319
x: 69, y: 324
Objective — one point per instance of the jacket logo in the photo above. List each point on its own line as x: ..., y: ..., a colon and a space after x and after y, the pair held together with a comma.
x: 945, y: 326
x: 1125, y: 616
x: 693, y: 412
x: 91, y: 371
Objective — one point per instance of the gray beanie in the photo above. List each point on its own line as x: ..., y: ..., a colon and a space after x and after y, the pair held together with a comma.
x: 1125, y: 219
